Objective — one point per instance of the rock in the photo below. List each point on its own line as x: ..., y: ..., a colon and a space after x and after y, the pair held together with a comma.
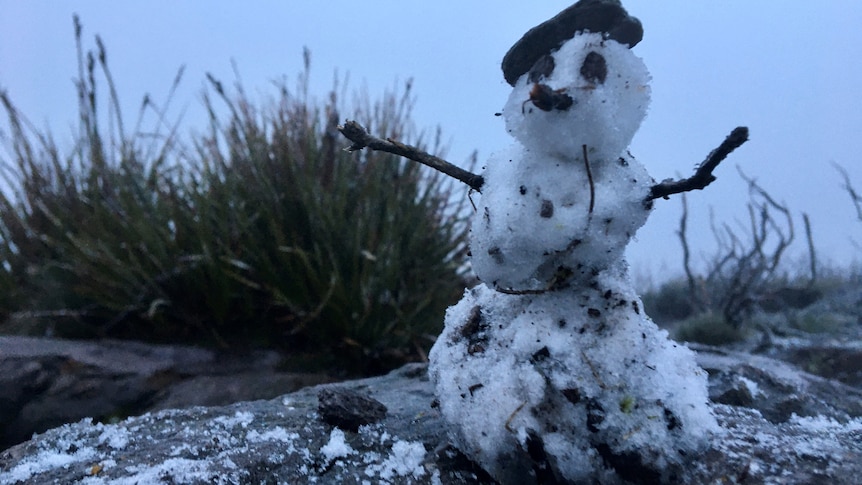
x: 49, y: 382
x: 348, y: 409
x: 777, y: 390
x: 284, y: 440
x: 277, y: 441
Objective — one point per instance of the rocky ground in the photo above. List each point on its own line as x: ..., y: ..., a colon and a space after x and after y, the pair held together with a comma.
x: 50, y: 382
x: 788, y: 399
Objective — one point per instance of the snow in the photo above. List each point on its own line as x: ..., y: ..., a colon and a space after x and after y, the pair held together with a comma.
x: 752, y: 386
x: 819, y: 424
x: 336, y: 447
x: 241, y: 418
x: 115, y: 437
x: 551, y: 357
x: 545, y: 366
x: 276, y: 434
x: 46, y: 460
x: 70, y: 448
x: 533, y: 217
x: 604, y: 115
x: 182, y: 470
x: 536, y: 212
x: 405, y: 460
x: 120, y: 454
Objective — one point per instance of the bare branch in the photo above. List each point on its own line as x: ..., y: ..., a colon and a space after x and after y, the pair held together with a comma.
x: 703, y: 175
x: 360, y: 137
x: 784, y: 240
x: 812, y: 255
x: 694, y: 294
x: 851, y: 191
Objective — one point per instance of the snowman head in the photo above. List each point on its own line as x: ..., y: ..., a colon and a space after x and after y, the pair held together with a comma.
x: 591, y: 92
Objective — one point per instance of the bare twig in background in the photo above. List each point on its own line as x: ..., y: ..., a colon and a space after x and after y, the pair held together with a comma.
x: 812, y: 254
x: 854, y: 196
x: 753, y: 266
x: 742, y: 273
x: 694, y: 294
x: 362, y: 139
x: 703, y: 175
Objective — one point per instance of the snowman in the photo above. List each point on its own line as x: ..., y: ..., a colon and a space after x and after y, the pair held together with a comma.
x: 549, y: 371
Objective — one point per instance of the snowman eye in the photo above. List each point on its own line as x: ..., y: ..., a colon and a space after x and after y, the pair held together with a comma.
x: 595, y: 68
x: 541, y: 69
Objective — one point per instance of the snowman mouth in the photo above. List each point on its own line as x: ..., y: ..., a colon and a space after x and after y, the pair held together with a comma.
x: 547, y: 98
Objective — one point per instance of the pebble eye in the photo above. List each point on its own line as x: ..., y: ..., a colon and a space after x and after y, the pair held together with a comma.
x: 595, y: 68
x: 542, y: 68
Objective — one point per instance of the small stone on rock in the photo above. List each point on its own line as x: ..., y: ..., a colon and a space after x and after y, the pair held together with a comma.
x: 348, y: 409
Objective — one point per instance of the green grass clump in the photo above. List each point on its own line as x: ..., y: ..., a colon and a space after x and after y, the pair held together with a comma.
x: 710, y: 329
x: 265, y: 233
x: 670, y: 302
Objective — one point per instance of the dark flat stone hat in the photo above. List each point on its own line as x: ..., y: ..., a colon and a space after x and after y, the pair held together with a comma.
x: 606, y: 16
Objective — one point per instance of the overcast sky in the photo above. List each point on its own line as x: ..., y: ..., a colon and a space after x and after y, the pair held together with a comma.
x: 789, y: 70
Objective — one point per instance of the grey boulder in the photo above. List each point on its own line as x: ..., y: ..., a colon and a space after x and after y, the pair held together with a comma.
x: 816, y: 438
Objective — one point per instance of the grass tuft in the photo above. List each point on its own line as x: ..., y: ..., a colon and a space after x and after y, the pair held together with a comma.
x: 265, y: 233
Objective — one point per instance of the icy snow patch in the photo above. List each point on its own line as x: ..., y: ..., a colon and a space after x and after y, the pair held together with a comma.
x: 46, y: 460
x: 404, y: 460
x: 116, y: 437
x: 337, y: 447
x: 276, y: 434
x: 241, y: 418
x: 752, y: 386
x: 96, y: 448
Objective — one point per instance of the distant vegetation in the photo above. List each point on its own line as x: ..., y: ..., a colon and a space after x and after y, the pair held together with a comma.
x: 748, y: 275
x: 263, y: 234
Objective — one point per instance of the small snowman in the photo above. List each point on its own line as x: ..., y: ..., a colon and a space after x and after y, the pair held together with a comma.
x: 549, y: 371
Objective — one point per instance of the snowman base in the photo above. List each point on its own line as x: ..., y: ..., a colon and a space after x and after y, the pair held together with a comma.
x: 574, y: 385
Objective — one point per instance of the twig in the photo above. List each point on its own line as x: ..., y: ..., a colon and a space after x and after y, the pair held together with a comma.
x: 694, y: 294
x: 362, y: 139
x: 854, y: 195
x: 812, y: 254
x: 590, y: 178
x: 512, y: 417
x: 703, y: 175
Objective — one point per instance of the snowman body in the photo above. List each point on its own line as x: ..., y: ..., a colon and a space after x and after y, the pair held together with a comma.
x: 549, y: 369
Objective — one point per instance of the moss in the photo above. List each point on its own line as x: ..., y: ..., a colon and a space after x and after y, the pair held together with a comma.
x: 627, y: 404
